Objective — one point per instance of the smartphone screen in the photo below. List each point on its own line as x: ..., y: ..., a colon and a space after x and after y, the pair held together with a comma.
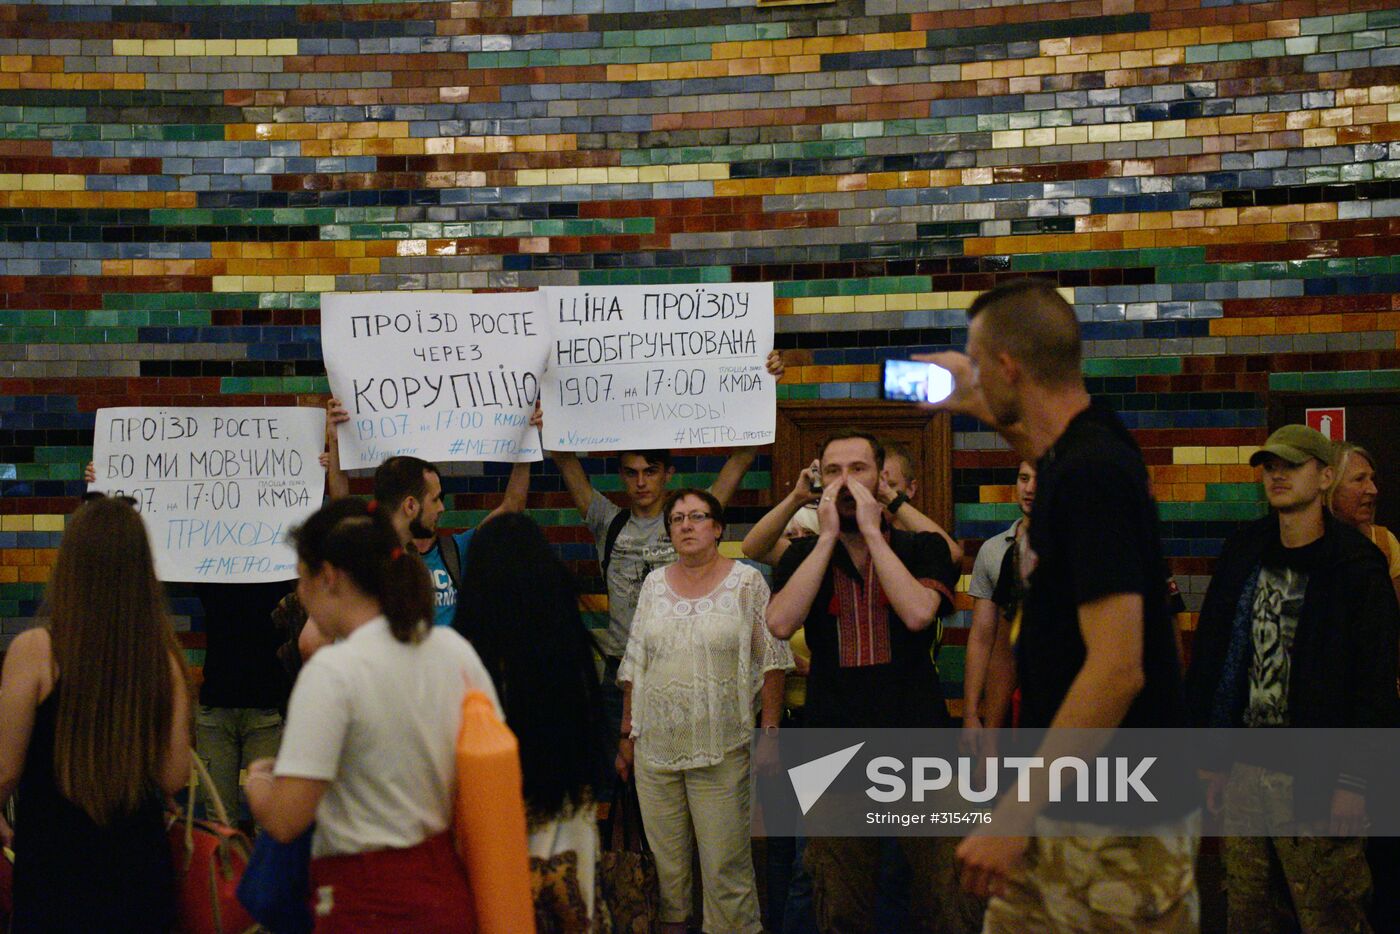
x: 912, y: 381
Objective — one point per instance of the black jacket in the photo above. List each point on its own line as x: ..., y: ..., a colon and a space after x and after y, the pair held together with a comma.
x: 1344, y: 658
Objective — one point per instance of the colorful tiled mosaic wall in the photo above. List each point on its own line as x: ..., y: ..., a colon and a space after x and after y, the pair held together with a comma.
x: 1213, y: 182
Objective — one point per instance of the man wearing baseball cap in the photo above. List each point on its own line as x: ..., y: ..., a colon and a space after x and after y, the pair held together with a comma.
x: 1298, y: 629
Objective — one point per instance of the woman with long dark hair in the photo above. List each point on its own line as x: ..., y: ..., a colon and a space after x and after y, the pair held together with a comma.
x: 94, y: 729
x: 519, y: 608
x: 369, y: 747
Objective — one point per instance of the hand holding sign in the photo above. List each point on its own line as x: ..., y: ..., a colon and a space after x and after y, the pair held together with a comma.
x: 659, y: 367
x: 445, y: 376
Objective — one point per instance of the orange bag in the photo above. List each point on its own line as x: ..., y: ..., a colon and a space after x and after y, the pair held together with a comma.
x: 210, y: 856
x: 489, y: 824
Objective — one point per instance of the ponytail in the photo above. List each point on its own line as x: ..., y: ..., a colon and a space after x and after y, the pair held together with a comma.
x: 407, y: 596
x: 359, y: 540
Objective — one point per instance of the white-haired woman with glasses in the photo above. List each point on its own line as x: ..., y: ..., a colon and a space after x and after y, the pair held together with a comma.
x: 698, y: 659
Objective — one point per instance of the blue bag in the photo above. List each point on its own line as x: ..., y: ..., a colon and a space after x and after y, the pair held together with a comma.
x: 276, y: 886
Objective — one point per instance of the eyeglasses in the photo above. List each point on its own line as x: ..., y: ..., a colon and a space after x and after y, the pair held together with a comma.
x: 695, y: 517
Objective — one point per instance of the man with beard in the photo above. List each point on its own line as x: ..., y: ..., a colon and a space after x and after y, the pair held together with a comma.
x: 411, y: 490
x: 867, y: 597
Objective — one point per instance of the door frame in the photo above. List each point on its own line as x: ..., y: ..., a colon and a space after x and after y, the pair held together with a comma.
x: 1279, y: 401
x: 934, y: 448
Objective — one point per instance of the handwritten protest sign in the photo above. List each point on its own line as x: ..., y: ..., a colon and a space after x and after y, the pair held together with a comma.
x: 218, y: 488
x: 659, y: 367
x: 445, y: 376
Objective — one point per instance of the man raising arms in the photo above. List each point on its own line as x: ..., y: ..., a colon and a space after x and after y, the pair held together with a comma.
x: 867, y: 597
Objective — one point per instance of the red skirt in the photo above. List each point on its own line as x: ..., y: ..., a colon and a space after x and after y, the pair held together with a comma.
x: 422, y: 889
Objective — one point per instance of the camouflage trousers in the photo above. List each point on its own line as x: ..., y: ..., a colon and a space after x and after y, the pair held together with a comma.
x: 1103, y: 885
x: 1288, y: 882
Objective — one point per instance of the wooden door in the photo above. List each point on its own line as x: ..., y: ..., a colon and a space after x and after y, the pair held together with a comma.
x: 1373, y: 421
x: 802, y: 426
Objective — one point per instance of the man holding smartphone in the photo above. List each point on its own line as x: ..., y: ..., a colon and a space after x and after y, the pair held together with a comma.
x: 1096, y: 647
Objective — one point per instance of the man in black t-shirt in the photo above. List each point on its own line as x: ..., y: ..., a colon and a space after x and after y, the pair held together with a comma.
x: 868, y: 597
x: 1298, y: 629
x: 1096, y: 647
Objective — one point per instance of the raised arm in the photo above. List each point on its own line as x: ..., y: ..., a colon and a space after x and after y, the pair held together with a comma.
x: 741, y: 459
x: 765, y: 541
x: 732, y: 473
x: 337, y: 481
x: 915, y: 604
x: 575, y: 479
x: 788, y: 608
x: 910, y: 519
x: 967, y: 399
x: 517, y: 489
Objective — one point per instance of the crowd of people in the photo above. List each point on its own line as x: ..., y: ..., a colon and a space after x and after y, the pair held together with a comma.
x: 340, y: 701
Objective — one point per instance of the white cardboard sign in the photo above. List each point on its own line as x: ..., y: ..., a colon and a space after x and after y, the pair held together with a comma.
x: 445, y: 376
x: 644, y: 367
x: 218, y: 488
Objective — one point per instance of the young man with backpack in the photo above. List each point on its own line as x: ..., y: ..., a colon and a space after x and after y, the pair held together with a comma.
x: 633, y: 541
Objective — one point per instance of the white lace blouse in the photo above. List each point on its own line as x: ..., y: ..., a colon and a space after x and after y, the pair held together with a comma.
x: 696, y: 667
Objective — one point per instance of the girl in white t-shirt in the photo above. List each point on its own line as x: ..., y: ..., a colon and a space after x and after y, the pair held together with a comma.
x: 368, y: 753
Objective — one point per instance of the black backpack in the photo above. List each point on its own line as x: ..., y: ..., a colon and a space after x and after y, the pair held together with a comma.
x: 451, y: 560
x: 610, y: 541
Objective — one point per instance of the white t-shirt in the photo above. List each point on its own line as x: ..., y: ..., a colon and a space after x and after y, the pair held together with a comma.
x: 378, y: 719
